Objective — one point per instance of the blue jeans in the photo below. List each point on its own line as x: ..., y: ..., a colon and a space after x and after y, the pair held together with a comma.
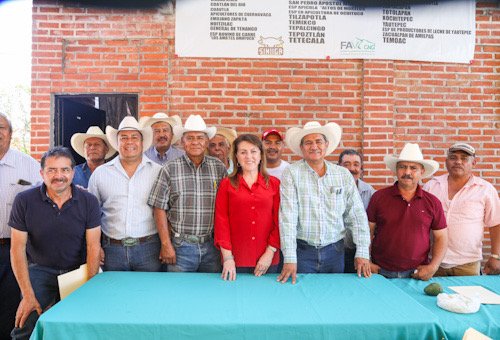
x: 10, y: 295
x: 349, y: 255
x: 327, y: 259
x: 195, y: 257
x: 249, y: 270
x: 142, y: 257
x: 396, y: 275
x: 44, y: 283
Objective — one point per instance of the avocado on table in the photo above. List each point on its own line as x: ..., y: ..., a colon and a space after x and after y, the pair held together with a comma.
x: 433, y: 289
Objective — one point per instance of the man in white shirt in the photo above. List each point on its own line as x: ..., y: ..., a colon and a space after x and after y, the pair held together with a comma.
x: 122, y: 186
x: 18, y: 172
x: 273, y: 147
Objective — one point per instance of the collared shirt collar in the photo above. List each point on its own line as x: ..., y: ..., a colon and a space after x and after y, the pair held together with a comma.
x: 395, y: 190
x: 328, y: 166
x: 74, y: 193
x: 190, y: 162
x: 7, y: 159
x: 362, y: 186
x: 473, y: 180
x: 260, y: 180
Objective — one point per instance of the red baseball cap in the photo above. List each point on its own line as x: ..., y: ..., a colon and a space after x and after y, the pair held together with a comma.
x: 271, y: 132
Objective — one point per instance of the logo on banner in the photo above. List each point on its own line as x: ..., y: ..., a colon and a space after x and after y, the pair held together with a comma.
x: 270, y: 46
x: 357, y: 46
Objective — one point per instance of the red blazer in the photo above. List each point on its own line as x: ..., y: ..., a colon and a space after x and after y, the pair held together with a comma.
x: 246, y: 219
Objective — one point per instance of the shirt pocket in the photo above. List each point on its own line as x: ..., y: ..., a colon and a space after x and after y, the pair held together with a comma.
x: 13, y: 190
x: 335, y: 200
x: 471, y: 211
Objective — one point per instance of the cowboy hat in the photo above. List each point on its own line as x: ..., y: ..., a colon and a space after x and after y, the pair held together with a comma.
x: 332, y: 132
x: 194, y: 123
x: 129, y: 123
x: 411, y: 153
x: 161, y: 117
x: 229, y: 134
x: 78, y: 140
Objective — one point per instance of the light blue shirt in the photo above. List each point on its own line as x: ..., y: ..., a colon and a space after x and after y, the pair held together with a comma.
x: 318, y: 210
x: 15, y: 166
x: 82, y: 175
x: 172, y: 153
x: 123, y: 200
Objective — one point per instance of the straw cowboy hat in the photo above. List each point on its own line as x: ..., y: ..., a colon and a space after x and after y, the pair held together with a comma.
x: 332, y: 132
x: 161, y: 117
x: 78, y: 139
x: 228, y: 133
x: 129, y: 123
x: 194, y: 123
x: 411, y: 153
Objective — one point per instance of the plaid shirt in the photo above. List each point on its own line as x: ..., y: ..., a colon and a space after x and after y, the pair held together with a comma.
x: 319, y: 209
x: 188, y: 194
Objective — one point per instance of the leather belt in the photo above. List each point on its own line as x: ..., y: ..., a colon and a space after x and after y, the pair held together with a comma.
x: 129, y: 241
x: 5, y: 241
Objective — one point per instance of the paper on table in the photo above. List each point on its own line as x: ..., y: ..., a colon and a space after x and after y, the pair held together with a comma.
x: 70, y: 281
x: 472, y: 334
x: 485, y: 295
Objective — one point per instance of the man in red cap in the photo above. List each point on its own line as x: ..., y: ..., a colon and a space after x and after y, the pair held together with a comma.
x: 273, y: 147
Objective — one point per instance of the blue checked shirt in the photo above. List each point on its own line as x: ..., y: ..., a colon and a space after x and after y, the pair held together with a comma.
x: 187, y: 193
x: 318, y: 210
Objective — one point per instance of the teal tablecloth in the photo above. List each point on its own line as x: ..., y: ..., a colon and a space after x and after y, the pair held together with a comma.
x: 487, y: 320
x: 118, y: 305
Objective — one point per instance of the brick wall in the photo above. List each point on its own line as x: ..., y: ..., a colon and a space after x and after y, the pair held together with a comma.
x: 379, y: 104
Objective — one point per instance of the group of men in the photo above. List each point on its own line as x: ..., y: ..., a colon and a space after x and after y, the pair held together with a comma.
x: 155, y: 205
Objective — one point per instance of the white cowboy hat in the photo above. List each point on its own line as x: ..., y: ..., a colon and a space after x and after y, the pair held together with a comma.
x: 332, y: 132
x: 228, y: 133
x: 411, y: 153
x: 129, y: 123
x: 196, y: 124
x: 161, y: 117
x: 78, y: 139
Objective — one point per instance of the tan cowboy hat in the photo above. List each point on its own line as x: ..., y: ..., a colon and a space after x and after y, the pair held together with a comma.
x: 78, y: 140
x: 228, y: 133
x: 411, y: 153
x: 332, y: 132
x: 194, y: 123
x: 161, y: 117
x: 129, y: 123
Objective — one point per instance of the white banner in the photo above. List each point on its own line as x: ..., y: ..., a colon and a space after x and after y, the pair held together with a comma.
x: 320, y: 29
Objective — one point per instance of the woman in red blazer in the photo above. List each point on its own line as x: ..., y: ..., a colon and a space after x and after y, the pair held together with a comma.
x: 246, y: 213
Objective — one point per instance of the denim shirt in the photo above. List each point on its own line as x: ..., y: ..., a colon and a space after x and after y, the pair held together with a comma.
x: 82, y: 175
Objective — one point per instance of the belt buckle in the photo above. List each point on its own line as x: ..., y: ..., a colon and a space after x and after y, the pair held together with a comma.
x: 192, y: 238
x: 130, y: 242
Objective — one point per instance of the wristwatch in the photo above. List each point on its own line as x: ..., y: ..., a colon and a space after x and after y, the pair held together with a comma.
x: 495, y: 256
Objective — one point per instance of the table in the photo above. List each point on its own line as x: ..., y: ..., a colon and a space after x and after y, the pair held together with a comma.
x: 487, y: 320
x: 133, y: 305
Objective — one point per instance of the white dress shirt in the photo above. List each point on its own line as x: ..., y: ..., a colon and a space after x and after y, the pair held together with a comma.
x: 123, y: 200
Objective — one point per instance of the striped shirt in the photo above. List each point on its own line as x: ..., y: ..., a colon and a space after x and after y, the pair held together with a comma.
x: 15, y: 166
x: 365, y: 191
x: 318, y: 210
x: 187, y: 193
x: 123, y: 200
